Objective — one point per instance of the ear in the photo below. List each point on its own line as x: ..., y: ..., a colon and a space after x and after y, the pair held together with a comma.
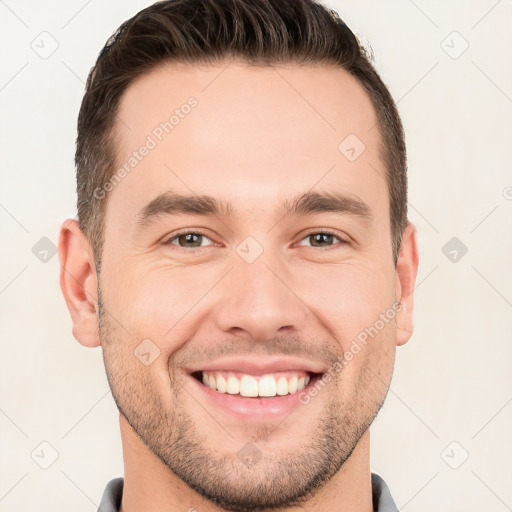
x: 406, y: 270
x: 78, y: 282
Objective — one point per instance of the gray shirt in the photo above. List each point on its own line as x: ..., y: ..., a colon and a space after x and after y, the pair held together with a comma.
x: 382, y: 500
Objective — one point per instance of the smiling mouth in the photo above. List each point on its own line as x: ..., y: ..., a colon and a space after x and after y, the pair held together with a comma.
x: 256, y: 386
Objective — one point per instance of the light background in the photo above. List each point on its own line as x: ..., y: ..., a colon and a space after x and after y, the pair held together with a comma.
x: 451, y: 395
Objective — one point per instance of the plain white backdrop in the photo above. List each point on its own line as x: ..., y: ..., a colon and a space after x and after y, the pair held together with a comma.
x: 443, y: 439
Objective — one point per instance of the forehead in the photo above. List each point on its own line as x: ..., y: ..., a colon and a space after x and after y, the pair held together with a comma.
x: 247, y: 134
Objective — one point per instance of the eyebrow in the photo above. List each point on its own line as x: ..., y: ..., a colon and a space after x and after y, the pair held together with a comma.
x: 309, y: 203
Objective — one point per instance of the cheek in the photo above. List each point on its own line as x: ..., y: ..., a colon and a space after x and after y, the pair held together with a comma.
x: 159, y: 301
x: 153, y: 300
x: 351, y: 298
x: 368, y: 359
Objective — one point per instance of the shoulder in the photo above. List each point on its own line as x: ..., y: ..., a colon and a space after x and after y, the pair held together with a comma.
x: 111, y: 499
x: 382, y: 500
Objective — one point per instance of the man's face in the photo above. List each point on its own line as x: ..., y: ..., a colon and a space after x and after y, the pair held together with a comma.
x: 260, y: 291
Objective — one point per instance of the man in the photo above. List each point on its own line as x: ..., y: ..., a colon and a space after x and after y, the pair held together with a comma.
x: 242, y: 255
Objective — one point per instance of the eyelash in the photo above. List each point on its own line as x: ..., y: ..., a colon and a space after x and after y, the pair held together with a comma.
x: 201, y: 249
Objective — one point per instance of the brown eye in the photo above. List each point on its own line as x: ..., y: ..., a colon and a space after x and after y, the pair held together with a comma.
x: 323, y: 239
x: 188, y: 240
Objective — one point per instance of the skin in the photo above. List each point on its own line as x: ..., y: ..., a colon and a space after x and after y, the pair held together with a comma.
x: 254, y: 141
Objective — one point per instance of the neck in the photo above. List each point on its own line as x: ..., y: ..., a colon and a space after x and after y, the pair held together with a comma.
x: 149, y: 485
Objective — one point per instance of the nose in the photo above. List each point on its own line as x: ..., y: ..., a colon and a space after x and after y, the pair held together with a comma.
x: 262, y: 299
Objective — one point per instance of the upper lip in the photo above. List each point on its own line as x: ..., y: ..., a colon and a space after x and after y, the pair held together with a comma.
x: 260, y: 366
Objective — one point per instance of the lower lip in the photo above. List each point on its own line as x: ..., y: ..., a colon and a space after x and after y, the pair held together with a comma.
x: 257, y: 408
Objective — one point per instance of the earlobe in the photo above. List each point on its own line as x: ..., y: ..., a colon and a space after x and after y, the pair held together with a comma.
x: 78, y: 282
x: 406, y: 271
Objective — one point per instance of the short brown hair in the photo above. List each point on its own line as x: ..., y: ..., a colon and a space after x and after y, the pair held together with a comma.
x: 205, y: 31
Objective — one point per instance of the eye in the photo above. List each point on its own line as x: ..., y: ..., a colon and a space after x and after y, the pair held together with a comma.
x: 323, y: 239
x: 187, y: 239
x: 194, y: 239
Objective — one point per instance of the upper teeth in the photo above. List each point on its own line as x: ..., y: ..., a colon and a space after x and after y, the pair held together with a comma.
x: 250, y: 386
